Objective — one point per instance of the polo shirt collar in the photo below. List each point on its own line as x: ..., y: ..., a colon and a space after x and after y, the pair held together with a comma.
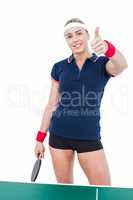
x: 93, y: 58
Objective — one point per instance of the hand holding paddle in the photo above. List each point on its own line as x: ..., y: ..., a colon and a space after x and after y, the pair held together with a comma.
x: 39, y: 152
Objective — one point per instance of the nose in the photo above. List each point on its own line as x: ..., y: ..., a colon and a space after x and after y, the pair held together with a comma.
x: 75, y: 39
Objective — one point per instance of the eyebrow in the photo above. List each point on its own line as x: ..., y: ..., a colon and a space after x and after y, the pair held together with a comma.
x: 75, y: 32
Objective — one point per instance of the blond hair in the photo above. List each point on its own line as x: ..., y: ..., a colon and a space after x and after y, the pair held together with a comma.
x: 74, y: 20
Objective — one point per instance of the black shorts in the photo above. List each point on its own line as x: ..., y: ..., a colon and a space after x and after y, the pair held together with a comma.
x: 80, y: 146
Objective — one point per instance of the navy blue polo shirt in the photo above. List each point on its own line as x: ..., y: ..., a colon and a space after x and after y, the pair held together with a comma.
x: 77, y: 115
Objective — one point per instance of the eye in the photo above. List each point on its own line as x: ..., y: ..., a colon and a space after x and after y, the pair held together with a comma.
x: 79, y: 33
x: 69, y: 36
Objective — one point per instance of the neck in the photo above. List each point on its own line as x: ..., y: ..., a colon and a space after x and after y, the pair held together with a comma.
x: 82, y: 56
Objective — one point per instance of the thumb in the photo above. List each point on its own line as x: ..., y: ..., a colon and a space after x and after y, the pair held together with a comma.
x: 97, y: 32
x: 40, y: 156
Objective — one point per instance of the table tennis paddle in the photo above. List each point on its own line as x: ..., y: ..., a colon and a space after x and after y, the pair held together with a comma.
x: 36, y: 169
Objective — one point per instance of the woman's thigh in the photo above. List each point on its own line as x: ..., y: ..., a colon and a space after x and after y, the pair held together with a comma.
x: 63, y: 161
x: 95, y: 166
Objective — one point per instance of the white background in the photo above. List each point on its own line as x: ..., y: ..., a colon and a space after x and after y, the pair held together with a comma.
x: 31, y: 41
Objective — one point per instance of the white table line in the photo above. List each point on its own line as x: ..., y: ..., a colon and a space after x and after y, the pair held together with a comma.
x: 96, y: 193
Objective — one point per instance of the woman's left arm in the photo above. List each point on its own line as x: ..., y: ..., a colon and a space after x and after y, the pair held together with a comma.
x: 117, y: 62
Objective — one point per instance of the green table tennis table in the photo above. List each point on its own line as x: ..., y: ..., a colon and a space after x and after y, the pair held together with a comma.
x: 37, y: 191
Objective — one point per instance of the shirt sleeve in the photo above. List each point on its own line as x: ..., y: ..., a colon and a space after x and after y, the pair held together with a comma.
x: 105, y: 73
x: 54, y: 73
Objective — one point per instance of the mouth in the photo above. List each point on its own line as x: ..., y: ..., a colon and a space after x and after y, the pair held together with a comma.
x: 78, y: 45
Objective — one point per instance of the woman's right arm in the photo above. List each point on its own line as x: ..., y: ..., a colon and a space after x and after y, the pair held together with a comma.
x: 52, y: 103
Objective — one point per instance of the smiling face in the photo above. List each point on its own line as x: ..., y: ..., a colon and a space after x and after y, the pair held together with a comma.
x: 77, y: 39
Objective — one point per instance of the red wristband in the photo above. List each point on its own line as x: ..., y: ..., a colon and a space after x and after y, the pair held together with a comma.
x: 111, y: 49
x: 40, y: 136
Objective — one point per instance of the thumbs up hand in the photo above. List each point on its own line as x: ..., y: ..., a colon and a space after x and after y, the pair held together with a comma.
x: 98, y: 45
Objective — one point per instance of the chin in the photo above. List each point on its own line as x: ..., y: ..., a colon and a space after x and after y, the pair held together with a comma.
x: 78, y: 51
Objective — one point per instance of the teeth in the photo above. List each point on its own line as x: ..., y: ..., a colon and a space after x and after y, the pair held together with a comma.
x: 78, y: 45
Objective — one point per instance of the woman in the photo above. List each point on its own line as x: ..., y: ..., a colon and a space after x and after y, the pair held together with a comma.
x: 78, y: 84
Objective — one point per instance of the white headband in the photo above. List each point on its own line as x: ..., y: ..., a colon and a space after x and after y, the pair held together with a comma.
x: 74, y: 24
